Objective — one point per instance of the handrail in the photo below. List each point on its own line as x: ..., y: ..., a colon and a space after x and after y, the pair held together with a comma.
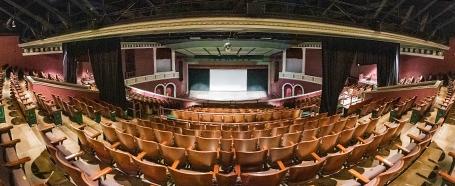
x: 413, y: 85
x: 307, y: 95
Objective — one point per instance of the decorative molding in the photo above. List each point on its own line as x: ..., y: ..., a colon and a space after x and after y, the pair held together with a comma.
x: 300, y: 77
x: 422, y: 52
x: 139, y: 45
x: 58, y: 49
x: 41, y: 50
x: 310, y: 45
x: 244, y: 24
x: 153, y: 77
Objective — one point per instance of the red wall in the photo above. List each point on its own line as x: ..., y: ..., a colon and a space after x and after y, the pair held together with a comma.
x: 150, y: 86
x: 416, y: 66
x: 12, y: 54
x: 313, y: 62
x: 307, y: 86
x: 144, y: 61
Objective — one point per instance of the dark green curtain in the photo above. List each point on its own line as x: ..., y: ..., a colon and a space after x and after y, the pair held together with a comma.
x: 71, y: 53
x: 105, y: 58
x: 338, y: 55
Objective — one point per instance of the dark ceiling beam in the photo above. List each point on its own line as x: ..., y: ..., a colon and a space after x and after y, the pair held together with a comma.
x: 421, y: 11
x: 441, y: 12
x: 329, y: 7
x: 91, y: 7
x: 345, y: 13
x: 424, y: 22
x: 131, y: 5
x: 397, y: 5
x: 442, y: 25
x: 149, y: 3
x: 354, y: 5
x: 54, y: 11
x: 18, y: 19
x: 238, y: 51
x: 84, y: 9
x: 408, y: 14
x: 381, y: 6
x: 30, y: 14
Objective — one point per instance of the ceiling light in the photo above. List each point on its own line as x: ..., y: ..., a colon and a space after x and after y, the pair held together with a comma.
x: 13, y: 24
x: 227, y: 47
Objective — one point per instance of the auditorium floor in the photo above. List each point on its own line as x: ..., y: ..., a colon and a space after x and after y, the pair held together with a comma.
x: 44, y: 171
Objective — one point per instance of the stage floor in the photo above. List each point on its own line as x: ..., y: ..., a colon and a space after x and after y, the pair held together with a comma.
x: 228, y: 95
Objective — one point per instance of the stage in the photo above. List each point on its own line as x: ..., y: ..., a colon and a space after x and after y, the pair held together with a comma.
x: 227, y: 95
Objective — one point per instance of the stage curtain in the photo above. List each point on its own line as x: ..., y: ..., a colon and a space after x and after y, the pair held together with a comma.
x: 106, y: 61
x: 338, y: 56
x: 71, y: 53
x: 384, y: 55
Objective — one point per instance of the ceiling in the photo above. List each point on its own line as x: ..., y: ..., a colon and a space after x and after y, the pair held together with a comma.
x: 229, y: 47
x: 432, y: 20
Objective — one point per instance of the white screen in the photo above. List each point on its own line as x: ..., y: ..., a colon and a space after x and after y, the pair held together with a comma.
x: 228, y: 80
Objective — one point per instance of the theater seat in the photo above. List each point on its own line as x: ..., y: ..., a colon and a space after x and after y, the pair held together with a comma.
x: 184, y: 177
x: 152, y: 172
x: 306, y: 170
x: 269, y: 178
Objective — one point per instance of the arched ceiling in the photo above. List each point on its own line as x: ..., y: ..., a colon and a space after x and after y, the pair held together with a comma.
x: 432, y: 20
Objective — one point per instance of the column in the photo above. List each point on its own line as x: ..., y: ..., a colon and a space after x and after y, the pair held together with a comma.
x: 284, y: 61
x: 303, y: 60
x: 173, y: 59
x: 154, y: 60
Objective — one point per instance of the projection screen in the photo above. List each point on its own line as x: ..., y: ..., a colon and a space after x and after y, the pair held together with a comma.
x: 228, y: 80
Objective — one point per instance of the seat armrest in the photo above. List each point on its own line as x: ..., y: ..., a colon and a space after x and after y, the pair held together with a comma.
x: 216, y: 169
x: 115, y: 145
x: 175, y: 164
x: 388, y: 125
x: 17, y: 162
x: 237, y: 169
x: 414, y: 137
x: 359, y: 176
x: 281, y: 165
x: 95, y: 135
x: 11, y: 143
x: 445, y: 176
x: 80, y: 127
x: 383, y: 160
x: 423, y: 129
x: 315, y: 156
x: 361, y: 140
x: 58, y: 141
x: 452, y: 154
x: 343, y: 149
x: 5, y: 129
x: 406, y: 151
x: 75, y: 155
x: 45, y: 128
x: 101, y: 173
x: 141, y: 155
